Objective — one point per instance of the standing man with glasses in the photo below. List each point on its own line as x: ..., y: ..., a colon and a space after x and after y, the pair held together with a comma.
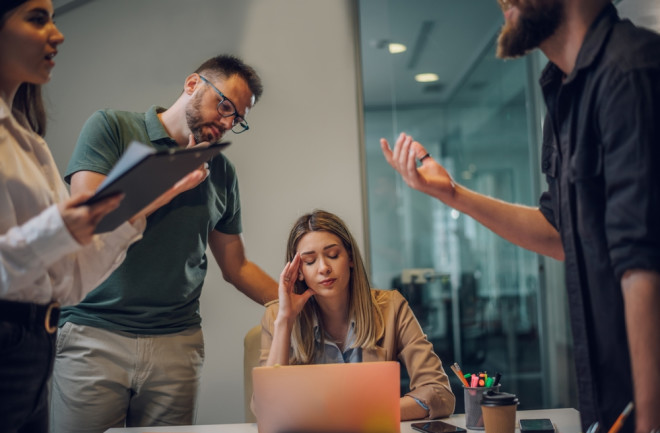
x: 131, y: 352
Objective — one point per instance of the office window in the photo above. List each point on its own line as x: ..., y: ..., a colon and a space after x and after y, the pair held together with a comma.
x: 483, y: 302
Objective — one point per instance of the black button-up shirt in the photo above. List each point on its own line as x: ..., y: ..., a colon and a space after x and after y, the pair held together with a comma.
x: 601, y: 158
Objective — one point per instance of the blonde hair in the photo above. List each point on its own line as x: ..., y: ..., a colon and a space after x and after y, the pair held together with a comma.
x: 369, y: 326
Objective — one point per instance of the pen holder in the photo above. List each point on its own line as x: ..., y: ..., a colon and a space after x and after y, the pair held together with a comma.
x: 472, y: 397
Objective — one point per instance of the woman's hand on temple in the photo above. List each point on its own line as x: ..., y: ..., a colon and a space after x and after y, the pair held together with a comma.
x: 291, y: 303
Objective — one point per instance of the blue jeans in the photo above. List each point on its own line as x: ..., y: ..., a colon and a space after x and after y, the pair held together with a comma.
x: 26, y: 363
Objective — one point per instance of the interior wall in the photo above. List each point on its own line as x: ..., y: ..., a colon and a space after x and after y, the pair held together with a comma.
x: 302, y: 151
x: 644, y: 13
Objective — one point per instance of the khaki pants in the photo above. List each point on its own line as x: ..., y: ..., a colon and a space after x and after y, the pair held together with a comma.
x: 105, y: 379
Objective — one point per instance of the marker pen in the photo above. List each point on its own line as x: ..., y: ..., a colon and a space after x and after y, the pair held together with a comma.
x: 621, y: 419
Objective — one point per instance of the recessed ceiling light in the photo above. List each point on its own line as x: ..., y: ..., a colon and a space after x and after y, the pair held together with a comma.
x: 396, y: 48
x: 426, y: 78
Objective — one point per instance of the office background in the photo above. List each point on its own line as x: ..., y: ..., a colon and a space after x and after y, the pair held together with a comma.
x: 302, y: 151
x: 312, y: 144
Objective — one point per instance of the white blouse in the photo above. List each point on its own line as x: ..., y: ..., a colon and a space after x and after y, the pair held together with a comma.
x: 39, y: 259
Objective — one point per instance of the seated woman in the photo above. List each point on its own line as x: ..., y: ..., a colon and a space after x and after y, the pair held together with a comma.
x: 327, y: 313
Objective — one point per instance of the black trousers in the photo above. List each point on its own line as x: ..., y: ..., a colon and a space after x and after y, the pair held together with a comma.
x: 27, y: 354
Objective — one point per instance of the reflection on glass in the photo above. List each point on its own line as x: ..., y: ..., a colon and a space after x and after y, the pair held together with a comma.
x: 477, y: 296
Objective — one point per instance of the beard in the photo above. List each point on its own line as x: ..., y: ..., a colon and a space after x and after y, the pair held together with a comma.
x: 537, y: 21
x: 196, y: 123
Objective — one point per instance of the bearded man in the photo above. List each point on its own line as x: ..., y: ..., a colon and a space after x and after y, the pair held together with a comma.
x: 131, y: 352
x: 601, y: 208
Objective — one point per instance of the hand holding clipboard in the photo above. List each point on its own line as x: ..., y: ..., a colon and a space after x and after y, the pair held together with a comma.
x: 190, y: 181
x: 148, y: 179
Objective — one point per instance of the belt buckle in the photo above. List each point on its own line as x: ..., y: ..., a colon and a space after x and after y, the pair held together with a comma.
x: 50, y: 314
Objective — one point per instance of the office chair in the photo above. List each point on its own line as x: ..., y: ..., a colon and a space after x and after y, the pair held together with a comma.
x: 251, y: 352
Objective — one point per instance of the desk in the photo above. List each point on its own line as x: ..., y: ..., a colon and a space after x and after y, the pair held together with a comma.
x: 566, y: 421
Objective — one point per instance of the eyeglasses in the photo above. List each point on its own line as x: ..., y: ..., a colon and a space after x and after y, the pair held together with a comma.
x: 226, y: 108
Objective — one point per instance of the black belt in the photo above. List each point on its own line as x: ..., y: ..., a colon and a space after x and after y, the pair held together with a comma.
x: 31, y: 315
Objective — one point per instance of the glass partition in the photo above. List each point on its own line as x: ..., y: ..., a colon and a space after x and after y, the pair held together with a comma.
x: 483, y: 302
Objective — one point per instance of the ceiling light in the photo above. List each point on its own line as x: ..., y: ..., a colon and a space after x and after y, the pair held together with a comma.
x: 426, y: 78
x: 396, y: 48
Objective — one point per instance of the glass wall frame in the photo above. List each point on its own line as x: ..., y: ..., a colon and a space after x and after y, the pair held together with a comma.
x: 482, y: 301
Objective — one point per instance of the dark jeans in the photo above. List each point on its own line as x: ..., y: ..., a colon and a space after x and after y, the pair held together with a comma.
x: 26, y: 363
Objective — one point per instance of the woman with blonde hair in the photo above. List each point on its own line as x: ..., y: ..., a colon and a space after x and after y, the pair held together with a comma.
x: 328, y: 313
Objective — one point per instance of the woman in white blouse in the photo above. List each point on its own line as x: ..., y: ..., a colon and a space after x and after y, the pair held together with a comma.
x: 48, y: 252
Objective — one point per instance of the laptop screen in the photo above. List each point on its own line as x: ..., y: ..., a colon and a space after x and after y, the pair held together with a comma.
x: 328, y: 398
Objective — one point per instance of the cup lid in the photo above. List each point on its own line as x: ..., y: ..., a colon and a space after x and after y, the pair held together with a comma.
x: 494, y: 398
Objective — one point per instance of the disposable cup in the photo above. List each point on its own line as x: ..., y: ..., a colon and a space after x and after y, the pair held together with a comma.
x: 499, y: 412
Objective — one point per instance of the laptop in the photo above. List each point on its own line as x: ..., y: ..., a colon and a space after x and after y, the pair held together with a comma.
x: 328, y: 398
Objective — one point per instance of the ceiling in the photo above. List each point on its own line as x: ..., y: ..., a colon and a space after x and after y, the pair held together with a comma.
x: 445, y: 37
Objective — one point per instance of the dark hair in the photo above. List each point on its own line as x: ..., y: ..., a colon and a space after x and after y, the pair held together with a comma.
x: 226, y: 66
x: 28, y: 105
x: 8, y: 5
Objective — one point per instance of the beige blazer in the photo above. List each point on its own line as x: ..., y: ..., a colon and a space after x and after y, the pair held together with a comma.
x: 403, y: 341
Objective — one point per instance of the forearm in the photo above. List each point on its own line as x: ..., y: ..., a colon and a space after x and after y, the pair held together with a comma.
x: 254, y: 283
x: 281, y: 343
x: 237, y: 270
x: 429, y: 383
x: 28, y: 251
x: 641, y: 294
x: 410, y: 409
x: 43, y: 247
x: 522, y: 225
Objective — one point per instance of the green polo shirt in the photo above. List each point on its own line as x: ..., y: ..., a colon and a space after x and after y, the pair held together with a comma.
x: 156, y: 289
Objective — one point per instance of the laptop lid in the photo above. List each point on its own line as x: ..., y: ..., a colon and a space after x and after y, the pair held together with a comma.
x: 328, y: 398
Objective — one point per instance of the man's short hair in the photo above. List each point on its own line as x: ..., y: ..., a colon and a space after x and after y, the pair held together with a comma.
x: 225, y: 66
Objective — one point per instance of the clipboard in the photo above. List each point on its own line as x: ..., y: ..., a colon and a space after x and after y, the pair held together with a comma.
x: 142, y: 174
